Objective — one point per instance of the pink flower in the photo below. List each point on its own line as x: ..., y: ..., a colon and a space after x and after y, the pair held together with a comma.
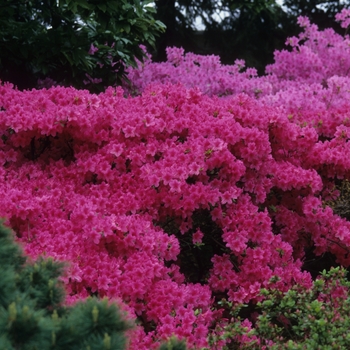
x: 92, y: 50
x: 343, y: 17
x: 197, y: 237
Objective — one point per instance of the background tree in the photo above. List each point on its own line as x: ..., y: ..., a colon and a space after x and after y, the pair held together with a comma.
x: 52, y: 38
x: 251, y: 29
x: 320, y: 12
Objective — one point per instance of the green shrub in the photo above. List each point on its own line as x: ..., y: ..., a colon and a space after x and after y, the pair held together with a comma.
x: 315, y: 318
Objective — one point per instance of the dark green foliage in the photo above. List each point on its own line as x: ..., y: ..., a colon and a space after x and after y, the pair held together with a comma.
x: 11, y: 261
x: 91, y: 324
x: 32, y: 314
x: 50, y: 38
x: 39, y: 282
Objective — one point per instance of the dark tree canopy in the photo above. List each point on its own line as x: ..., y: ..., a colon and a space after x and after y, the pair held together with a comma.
x: 51, y: 38
x: 320, y: 12
x: 252, y: 29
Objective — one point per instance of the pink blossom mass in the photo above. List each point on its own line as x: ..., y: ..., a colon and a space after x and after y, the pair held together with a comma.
x: 119, y: 184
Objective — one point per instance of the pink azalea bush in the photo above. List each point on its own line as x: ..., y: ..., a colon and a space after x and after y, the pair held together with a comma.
x: 120, y: 186
x: 314, y: 71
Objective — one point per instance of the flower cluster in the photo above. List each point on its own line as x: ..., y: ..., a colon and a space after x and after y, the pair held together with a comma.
x: 136, y: 191
x: 312, y: 72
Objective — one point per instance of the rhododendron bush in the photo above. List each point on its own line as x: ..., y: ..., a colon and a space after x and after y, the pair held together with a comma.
x: 210, y: 183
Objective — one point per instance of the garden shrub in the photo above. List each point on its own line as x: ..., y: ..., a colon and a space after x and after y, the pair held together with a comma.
x: 178, y: 197
x: 300, y: 318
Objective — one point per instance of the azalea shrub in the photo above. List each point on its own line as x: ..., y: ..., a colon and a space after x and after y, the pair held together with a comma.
x: 172, y: 196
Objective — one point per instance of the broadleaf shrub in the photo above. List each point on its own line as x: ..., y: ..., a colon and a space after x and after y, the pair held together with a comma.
x: 177, y: 195
x: 83, y: 43
x: 301, y: 318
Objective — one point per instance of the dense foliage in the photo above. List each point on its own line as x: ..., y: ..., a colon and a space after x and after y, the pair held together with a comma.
x: 301, y: 318
x: 198, y: 183
x: 80, y: 43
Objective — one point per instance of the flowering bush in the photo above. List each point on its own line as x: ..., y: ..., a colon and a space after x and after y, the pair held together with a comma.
x: 313, y: 71
x: 170, y: 200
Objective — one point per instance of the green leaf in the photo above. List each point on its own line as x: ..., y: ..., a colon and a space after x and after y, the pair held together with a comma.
x: 102, y: 7
x: 67, y: 58
x: 160, y: 24
x: 127, y: 28
x: 150, y: 9
x: 83, y: 4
